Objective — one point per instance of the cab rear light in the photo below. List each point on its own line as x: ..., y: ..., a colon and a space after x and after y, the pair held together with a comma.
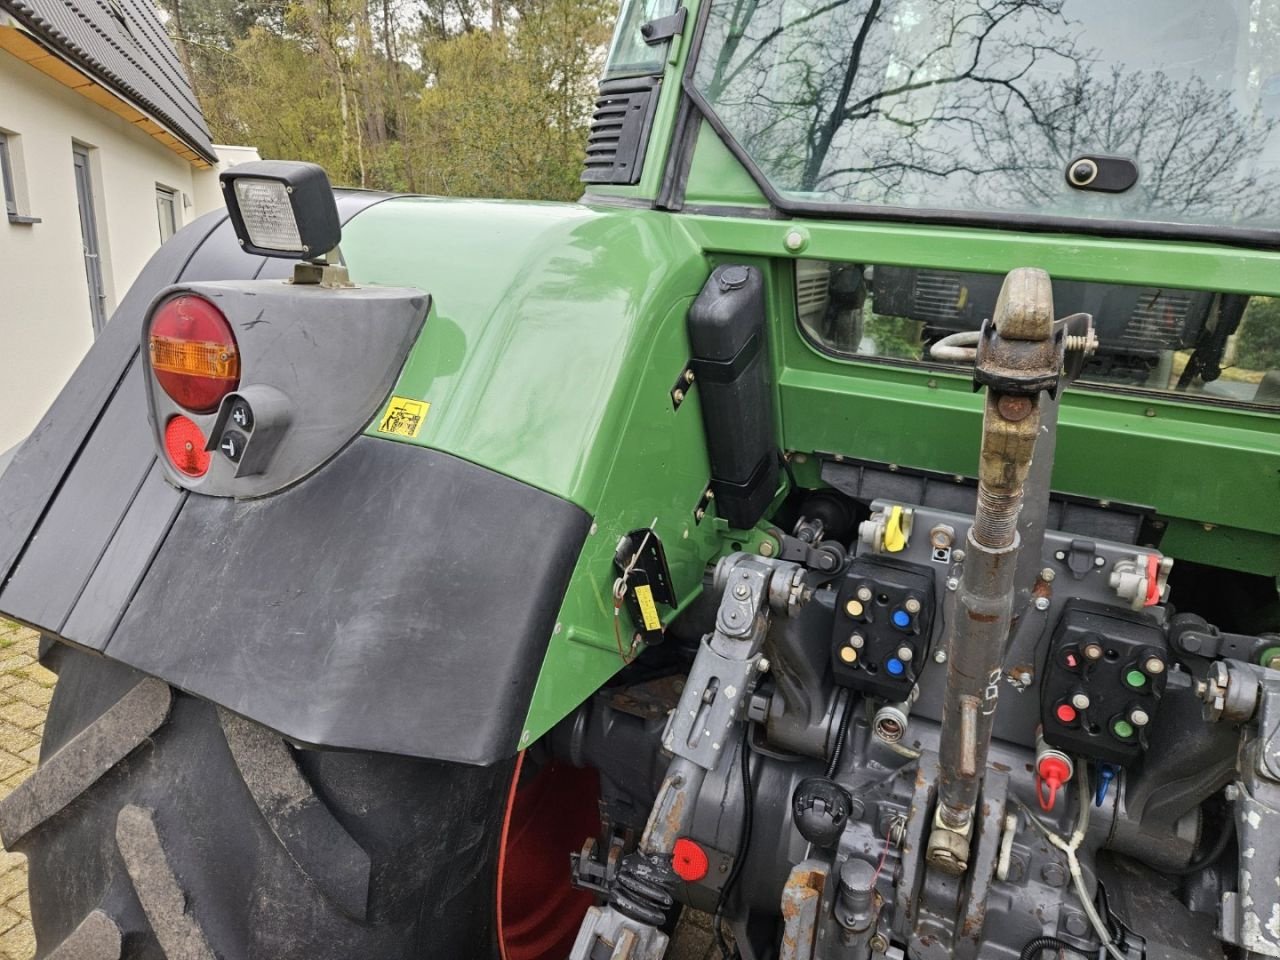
x: 193, y: 353
x: 185, y: 443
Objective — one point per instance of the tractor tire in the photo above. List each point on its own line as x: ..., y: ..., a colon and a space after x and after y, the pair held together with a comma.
x: 159, y: 825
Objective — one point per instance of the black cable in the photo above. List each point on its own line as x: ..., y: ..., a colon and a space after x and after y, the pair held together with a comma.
x: 1039, y: 945
x: 744, y: 842
x: 840, y: 737
x: 1210, y: 856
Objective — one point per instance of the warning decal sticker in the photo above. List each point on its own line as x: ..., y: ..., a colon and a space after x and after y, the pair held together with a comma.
x: 644, y: 593
x: 404, y: 417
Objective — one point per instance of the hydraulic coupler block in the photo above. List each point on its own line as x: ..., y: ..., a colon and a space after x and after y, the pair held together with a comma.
x: 883, y: 625
x: 1104, y: 681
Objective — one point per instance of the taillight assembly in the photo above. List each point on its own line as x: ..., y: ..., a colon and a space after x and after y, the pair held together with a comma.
x: 193, y: 353
x: 185, y: 443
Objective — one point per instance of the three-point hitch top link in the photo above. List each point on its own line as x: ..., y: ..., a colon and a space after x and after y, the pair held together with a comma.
x: 1021, y: 353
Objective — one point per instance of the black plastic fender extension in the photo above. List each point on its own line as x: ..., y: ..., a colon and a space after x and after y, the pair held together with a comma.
x: 398, y: 599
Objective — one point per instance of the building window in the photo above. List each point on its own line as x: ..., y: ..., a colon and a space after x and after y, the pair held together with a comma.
x: 12, y: 184
x: 6, y: 177
x: 167, y: 211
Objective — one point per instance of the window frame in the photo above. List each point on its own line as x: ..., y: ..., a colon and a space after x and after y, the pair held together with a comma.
x: 170, y: 195
x: 6, y: 176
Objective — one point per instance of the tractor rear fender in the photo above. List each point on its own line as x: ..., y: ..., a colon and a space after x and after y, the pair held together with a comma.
x: 360, y: 593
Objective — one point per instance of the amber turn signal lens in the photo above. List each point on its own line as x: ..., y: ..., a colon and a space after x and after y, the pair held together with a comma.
x: 185, y: 445
x: 193, y: 353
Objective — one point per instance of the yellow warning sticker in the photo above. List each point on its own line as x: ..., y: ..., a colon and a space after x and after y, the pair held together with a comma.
x: 648, y: 610
x: 404, y: 417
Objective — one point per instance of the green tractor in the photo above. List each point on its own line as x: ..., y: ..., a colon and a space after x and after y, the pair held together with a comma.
x: 857, y: 520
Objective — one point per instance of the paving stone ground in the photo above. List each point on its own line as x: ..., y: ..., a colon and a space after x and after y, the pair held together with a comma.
x: 25, y: 690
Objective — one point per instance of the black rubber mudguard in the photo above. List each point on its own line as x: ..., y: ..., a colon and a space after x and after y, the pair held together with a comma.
x: 397, y: 600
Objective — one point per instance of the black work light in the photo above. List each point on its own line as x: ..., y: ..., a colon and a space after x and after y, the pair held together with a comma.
x: 282, y: 208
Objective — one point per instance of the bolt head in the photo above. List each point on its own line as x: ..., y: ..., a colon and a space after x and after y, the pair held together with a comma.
x: 766, y: 548
x: 940, y: 657
x: 1047, y: 574
x: 1154, y: 666
x: 1080, y: 701
x: 741, y: 591
x: 1042, y: 603
x: 677, y: 396
x: 1093, y: 651
x: 912, y: 605
x: 864, y: 594
x: 953, y: 584
x: 794, y: 240
x: 1139, y: 717
x: 905, y: 654
x: 1099, y: 561
x: 856, y: 641
x: 763, y: 665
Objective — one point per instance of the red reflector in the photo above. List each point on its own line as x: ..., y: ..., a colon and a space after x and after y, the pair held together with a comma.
x: 193, y: 353
x: 184, y: 443
x: 1066, y: 713
x: 688, y: 860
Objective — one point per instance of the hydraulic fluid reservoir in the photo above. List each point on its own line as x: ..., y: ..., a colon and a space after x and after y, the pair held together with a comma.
x: 731, y: 364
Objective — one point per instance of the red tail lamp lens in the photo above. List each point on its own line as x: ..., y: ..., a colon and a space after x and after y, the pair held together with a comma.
x: 184, y: 443
x: 194, y: 353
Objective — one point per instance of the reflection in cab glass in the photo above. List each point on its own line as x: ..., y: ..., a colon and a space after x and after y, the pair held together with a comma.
x: 962, y: 108
x: 1191, y: 343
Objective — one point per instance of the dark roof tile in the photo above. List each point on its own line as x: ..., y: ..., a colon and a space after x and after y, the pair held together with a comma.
x: 132, y: 54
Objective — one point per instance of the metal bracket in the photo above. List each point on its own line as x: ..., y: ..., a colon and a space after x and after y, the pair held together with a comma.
x: 664, y: 28
x: 684, y: 383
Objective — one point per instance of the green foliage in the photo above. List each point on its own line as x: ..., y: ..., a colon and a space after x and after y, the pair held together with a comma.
x: 452, y: 97
x: 1258, y: 341
x: 897, y: 337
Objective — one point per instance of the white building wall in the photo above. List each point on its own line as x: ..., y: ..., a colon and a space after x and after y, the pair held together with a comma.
x: 45, y: 320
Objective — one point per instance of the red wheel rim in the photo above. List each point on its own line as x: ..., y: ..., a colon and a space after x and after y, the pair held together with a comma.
x: 549, y: 815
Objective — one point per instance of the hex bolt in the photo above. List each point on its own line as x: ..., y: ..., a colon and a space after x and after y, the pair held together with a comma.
x: 763, y: 665
x: 878, y: 943
x: 1076, y: 925
x: 856, y: 641
x: 905, y: 654
x: 766, y: 548
x: 1273, y: 663
x: 1139, y: 717
x: 688, y: 376
x: 1080, y: 701
x: 794, y: 240
x: 940, y: 657
x: 953, y: 584
x: 1053, y: 874
x: 677, y: 396
x: 1042, y: 603
x: 864, y: 594
x: 1154, y: 666
x: 912, y: 605
x: 1047, y: 575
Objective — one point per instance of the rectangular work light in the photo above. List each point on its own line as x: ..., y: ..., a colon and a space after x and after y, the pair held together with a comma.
x: 282, y: 208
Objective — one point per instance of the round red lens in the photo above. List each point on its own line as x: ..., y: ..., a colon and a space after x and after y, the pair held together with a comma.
x: 193, y: 353
x: 184, y: 443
